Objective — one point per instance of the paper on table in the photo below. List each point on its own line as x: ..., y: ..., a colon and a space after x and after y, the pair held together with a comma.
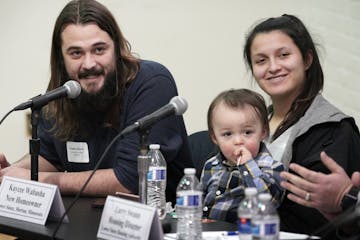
x: 222, y: 235
x: 289, y: 236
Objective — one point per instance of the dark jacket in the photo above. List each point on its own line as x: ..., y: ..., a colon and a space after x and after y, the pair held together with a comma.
x: 322, y: 128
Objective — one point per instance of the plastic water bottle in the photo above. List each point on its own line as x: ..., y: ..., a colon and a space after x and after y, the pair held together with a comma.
x: 266, y: 222
x: 189, y: 207
x: 156, y: 180
x: 246, y: 210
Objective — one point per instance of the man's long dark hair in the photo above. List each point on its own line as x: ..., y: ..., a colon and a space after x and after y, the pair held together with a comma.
x: 126, y: 68
x: 296, y: 30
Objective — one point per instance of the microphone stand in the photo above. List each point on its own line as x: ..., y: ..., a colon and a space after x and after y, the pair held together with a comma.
x: 143, y: 164
x: 34, y: 143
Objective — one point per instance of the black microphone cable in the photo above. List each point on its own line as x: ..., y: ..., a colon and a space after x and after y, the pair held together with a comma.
x: 175, y: 100
x: 179, y: 104
x: 347, y: 216
x: 85, y: 184
x: 6, y: 115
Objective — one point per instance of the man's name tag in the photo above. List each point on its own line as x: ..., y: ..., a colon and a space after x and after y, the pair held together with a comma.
x: 77, y: 152
x: 126, y: 220
x: 30, y: 201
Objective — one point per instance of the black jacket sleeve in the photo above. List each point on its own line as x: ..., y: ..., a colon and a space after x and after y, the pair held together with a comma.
x: 341, y: 141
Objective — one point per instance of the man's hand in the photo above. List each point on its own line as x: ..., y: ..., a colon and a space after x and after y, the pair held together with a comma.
x: 14, y: 171
x: 318, y: 190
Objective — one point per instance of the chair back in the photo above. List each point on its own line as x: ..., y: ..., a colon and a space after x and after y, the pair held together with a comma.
x: 202, y: 148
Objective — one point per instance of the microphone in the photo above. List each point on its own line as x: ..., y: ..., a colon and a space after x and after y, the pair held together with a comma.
x: 70, y: 89
x: 177, y: 106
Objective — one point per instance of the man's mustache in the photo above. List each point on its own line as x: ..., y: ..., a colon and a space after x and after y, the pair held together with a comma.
x: 91, y: 72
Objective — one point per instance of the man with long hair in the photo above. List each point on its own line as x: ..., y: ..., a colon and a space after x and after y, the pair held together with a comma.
x: 117, y: 89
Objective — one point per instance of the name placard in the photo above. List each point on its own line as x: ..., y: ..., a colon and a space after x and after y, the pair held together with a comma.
x: 128, y: 220
x: 30, y: 201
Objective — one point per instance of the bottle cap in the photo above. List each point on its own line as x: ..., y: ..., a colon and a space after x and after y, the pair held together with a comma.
x: 154, y: 146
x: 264, y: 196
x: 251, y: 191
x: 189, y: 171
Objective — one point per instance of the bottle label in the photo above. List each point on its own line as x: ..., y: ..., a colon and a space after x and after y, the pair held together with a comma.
x: 156, y: 174
x: 244, y: 225
x: 265, y: 229
x: 270, y: 229
x: 188, y: 200
x: 256, y: 229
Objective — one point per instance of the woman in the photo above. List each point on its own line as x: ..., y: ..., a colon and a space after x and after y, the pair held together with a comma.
x: 284, y: 62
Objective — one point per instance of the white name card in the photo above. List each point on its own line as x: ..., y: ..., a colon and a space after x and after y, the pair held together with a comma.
x: 128, y: 220
x: 30, y: 201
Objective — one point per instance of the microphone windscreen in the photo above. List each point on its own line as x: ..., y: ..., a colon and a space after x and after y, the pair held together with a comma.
x: 73, y: 88
x: 180, y: 105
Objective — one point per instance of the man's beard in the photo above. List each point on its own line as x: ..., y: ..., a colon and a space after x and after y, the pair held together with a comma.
x: 99, y: 102
x: 91, y: 109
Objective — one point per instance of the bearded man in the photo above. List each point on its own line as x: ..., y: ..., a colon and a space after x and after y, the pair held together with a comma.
x: 117, y: 89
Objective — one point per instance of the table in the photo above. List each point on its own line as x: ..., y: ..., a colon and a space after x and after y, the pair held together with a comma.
x: 169, y: 225
x: 84, y: 222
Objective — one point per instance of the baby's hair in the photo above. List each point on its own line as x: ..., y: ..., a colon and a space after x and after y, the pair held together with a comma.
x: 237, y: 98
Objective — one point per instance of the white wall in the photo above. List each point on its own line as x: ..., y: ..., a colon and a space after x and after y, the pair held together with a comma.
x: 200, y: 41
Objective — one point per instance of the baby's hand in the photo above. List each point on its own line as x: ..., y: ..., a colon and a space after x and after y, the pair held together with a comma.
x: 243, y: 155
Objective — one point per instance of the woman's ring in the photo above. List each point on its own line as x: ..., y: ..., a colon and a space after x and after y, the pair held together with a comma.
x: 307, y: 196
